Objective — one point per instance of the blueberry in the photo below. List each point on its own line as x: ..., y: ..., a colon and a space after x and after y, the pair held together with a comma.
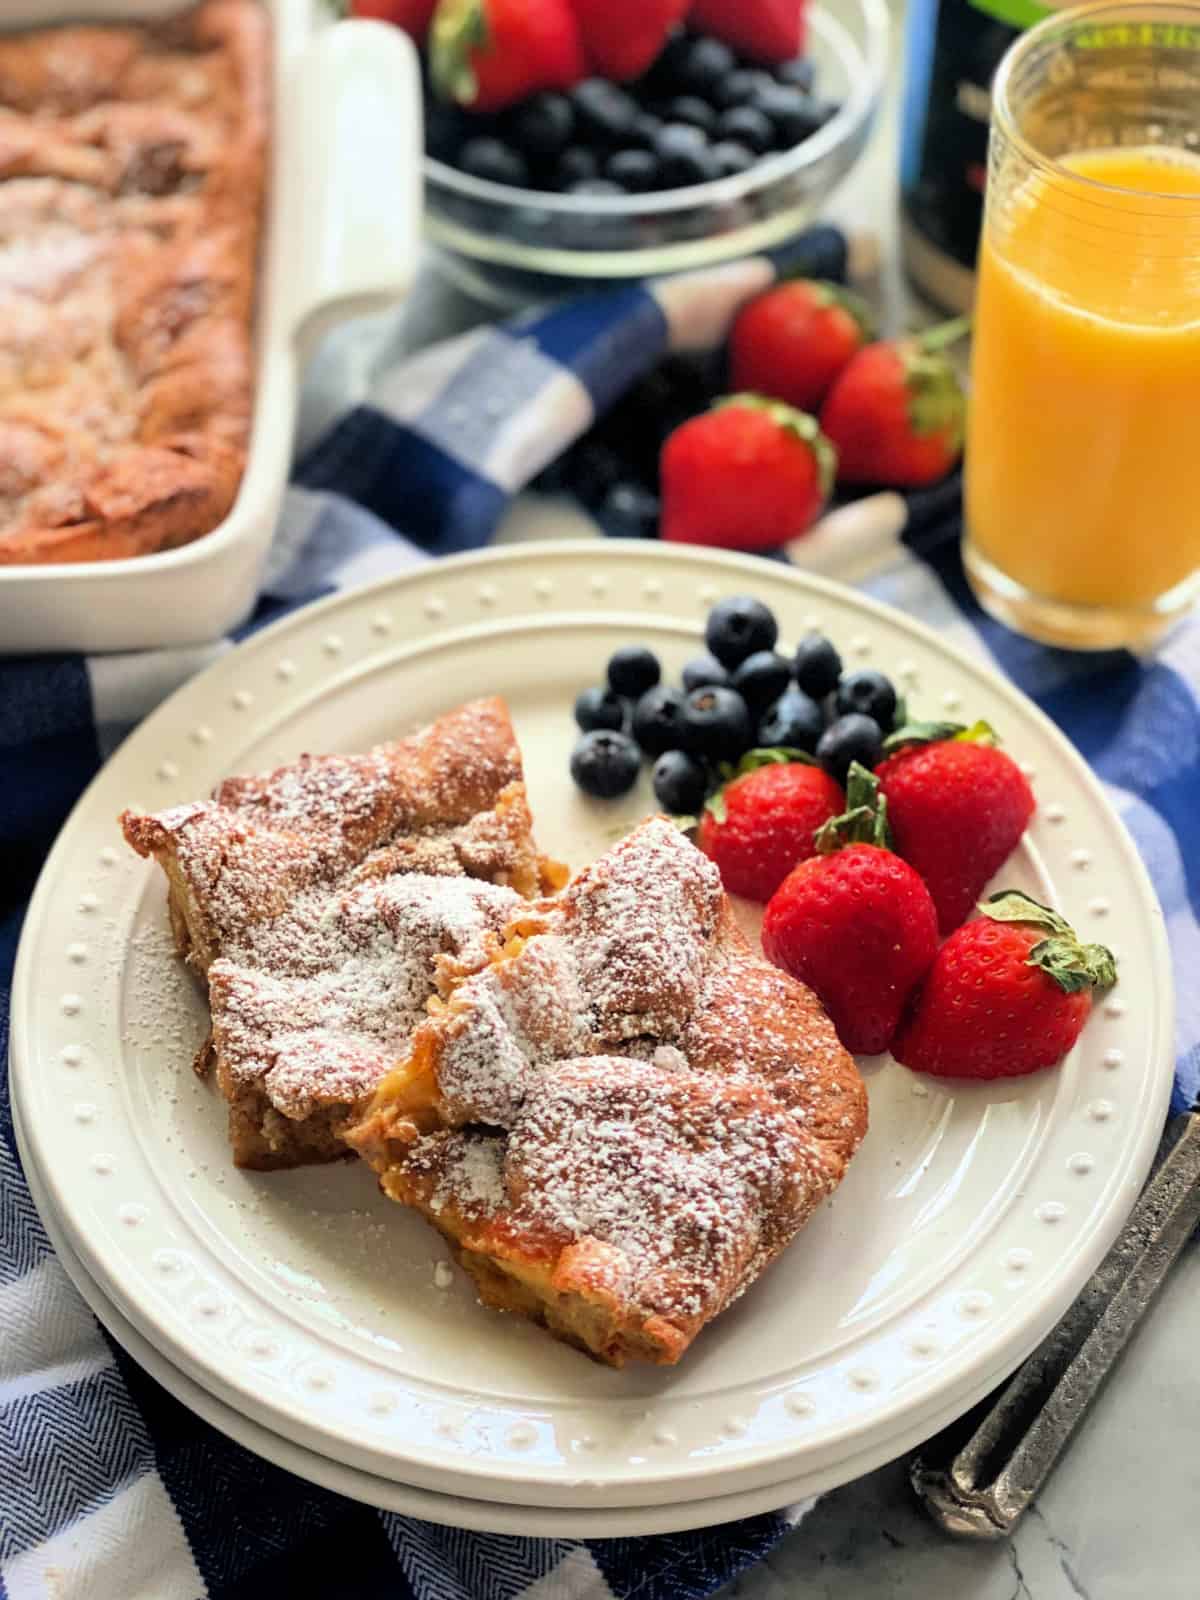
x: 818, y: 112
x: 630, y: 512
x: 850, y: 738
x: 632, y: 670
x: 762, y: 678
x: 604, y: 110
x: 705, y: 672
x: 605, y: 764
x: 542, y: 128
x: 636, y: 170
x: 680, y: 782
x: 733, y: 159
x: 817, y: 667
x: 494, y: 160
x: 446, y: 130
x: 576, y: 165
x: 658, y: 720
x: 871, y: 695
x: 789, y: 111
x: 684, y: 156
x: 716, y: 724
x: 598, y: 188
x: 702, y: 64
x: 794, y: 722
x: 599, y: 708
x: 748, y: 126
x: 799, y: 73
x: 664, y: 74
x: 740, y: 87
x: 690, y: 109
x: 646, y: 130
x: 739, y: 626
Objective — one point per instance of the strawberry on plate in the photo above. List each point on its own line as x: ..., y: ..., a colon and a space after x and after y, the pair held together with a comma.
x: 1007, y: 994
x: 792, y: 342
x: 623, y: 38
x: 770, y: 31
x: 957, y: 807
x: 413, y: 16
x: 855, y: 923
x: 896, y: 414
x: 766, y: 820
x: 488, y: 54
x: 750, y: 474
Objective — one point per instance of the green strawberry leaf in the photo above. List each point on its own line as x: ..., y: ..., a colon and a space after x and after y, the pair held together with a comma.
x: 833, y: 294
x: 459, y: 27
x: 1075, y: 966
x: 686, y: 824
x: 781, y: 755
x: 919, y: 733
x: 798, y: 423
x: 865, y: 819
x: 1061, y: 956
x: 944, y: 335
x: 1014, y: 905
x: 766, y: 756
x: 936, y: 402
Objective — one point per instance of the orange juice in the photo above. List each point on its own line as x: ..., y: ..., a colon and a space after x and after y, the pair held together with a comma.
x: 1083, y: 455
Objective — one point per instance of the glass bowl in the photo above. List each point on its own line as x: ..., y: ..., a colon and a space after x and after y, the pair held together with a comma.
x: 512, y: 246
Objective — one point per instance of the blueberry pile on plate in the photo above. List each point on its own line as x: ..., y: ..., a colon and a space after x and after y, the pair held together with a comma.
x: 700, y: 113
x: 743, y: 694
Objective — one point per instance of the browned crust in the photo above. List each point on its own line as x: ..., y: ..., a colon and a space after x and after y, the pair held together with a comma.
x: 756, y: 1040
x: 453, y: 804
x: 180, y: 198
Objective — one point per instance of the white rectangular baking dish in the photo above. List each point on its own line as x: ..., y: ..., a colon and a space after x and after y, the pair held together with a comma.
x: 342, y: 237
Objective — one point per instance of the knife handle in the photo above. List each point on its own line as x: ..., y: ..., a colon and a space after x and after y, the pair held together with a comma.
x: 980, y: 1489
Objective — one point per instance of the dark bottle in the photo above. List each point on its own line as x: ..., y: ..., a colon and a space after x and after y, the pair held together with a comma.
x: 953, y: 50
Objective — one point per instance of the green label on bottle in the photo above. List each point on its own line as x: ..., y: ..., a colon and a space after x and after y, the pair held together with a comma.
x: 1017, y: 13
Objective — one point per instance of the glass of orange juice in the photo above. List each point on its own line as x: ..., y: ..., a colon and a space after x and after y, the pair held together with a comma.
x: 1083, y: 452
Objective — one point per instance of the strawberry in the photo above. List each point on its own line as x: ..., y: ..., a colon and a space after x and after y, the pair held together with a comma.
x: 896, y: 414
x: 413, y: 16
x: 623, y: 38
x: 766, y: 820
x: 855, y: 923
x: 957, y: 808
x: 488, y: 54
x: 1007, y: 994
x: 750, y: 474
x: 770, y: 31
x: 792, y: 342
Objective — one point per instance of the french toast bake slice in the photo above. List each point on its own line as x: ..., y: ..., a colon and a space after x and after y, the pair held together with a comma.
x: 133, y: 166
x: 624, y: 1117
x: 325, y: 903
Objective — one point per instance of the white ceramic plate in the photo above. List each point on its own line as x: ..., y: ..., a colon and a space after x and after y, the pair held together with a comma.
x: 480, y: 1516
x: 967, y: 1224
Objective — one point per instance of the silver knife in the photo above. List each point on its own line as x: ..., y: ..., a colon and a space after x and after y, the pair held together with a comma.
x: 980, y: 1485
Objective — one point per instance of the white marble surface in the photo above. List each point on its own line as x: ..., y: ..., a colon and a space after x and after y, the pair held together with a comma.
x: 1117, y: 1521
x: 1120, y: 1519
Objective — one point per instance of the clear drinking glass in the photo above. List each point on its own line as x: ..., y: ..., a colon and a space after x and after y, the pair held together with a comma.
x: 1083, y: 454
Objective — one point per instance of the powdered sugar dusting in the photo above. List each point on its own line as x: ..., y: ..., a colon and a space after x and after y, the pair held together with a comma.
x: 319, y: 1003
x: 327, y: 901
x: 668, y: 1101
x: 642, y: 921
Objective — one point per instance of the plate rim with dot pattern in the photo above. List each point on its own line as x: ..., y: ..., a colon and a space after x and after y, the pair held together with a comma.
x: 1063, y: 1256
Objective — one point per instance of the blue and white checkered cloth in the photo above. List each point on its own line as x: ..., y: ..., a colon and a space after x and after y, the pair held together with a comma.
x: 109, y: 1488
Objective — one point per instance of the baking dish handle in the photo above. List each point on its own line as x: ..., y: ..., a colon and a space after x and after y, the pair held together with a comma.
x: 354, y: 122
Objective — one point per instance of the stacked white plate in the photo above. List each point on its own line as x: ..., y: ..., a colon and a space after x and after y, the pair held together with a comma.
x: 324, y: 1327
